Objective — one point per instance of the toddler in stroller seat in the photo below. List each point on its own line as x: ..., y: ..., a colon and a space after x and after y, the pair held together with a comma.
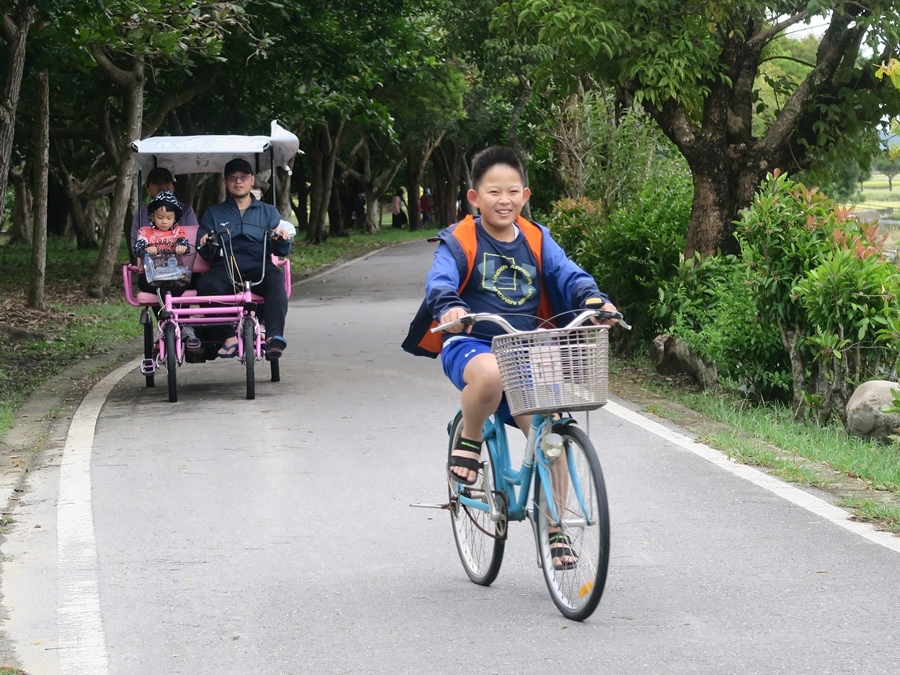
x: 165, y: 252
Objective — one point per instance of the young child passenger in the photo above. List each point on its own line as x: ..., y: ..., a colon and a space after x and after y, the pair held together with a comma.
x: 500, y: 263
x: 164, y: 235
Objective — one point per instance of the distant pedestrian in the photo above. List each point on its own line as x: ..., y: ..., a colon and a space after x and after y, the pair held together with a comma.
x: 425, y: 206
x: 398, y: 215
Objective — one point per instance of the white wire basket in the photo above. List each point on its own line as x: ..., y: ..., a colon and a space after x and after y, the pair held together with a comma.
x: 552, y: 370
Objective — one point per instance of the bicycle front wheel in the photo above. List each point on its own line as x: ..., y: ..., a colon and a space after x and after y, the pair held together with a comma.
x: 577, y: 526
x: 479, y: 541
x: 171, y: 362
x: 249, y: 338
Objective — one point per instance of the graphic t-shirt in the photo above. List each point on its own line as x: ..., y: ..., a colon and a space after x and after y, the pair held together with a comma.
x: 505, y: 281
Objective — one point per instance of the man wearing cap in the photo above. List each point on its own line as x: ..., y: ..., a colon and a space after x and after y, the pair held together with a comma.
x: 246, y: 230
x: 159, y: 179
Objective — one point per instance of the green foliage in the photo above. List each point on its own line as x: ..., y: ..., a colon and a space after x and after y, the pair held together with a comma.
x: 710, y: 304
x: 820, y: 276
x: 600, y: 151
x: 631, y: 251
x: 782, y: 235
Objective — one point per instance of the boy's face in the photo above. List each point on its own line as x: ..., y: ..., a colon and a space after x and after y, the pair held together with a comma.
x: 163, y: 219
x: 500, y: 197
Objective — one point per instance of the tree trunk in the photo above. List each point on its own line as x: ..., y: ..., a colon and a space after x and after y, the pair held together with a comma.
x: 14, y: 27
x: 714, y: 204
x: 301, y: 189
x: 448, y: 163
x: 373, y: 185
x: 337, y: 216
x: 132, y: 83
x: 20, y: 231
x: 323, y: 162
x: 512, y: 132
x: 415, y: 173
x: 37, y: 274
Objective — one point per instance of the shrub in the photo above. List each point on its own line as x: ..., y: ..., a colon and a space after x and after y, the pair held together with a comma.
x: 631, y: 251
x: 710, y: 305
x: 820, y: 277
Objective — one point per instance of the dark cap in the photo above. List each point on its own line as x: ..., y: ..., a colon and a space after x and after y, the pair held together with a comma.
x: 169, y: 201
x: 159, y: 174
x: 237, y: 164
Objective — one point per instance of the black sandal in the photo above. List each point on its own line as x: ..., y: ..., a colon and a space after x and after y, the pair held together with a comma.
x: 467, y: 463
x: 561, y: 547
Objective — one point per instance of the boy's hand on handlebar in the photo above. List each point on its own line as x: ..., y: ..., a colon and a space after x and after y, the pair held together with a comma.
x: 598, y: 303
x: 454, y: 314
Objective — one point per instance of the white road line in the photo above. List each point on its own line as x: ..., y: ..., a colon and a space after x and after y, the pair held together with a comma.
x: 820, y: 507
x: 82, y: 642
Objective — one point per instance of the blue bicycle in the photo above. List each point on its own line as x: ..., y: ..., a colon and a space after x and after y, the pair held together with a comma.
x: 548, y: 374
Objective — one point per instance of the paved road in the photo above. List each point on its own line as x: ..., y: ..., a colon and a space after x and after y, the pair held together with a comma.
x: 220, y: 535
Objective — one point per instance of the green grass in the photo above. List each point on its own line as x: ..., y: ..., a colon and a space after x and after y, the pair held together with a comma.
x: 886, y: 516
x: 878, y: 465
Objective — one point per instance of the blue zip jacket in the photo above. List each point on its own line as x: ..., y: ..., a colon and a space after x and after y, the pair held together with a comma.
x: 566, y: 285
x: 248, y: 233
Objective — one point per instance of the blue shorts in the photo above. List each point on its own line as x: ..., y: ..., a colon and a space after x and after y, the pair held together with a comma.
x: 455, y: 356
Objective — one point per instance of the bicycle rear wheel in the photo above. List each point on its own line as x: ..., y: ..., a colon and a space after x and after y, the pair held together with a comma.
x: 149, y: 345
x: 580, y: 496
x: 171, y: 361
x: 479, y: 541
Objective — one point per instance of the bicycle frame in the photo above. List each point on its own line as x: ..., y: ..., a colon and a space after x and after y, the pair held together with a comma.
x: 515, y: 484
x: 235, y: 310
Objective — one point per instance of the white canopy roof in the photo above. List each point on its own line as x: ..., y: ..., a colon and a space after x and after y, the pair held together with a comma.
x: 210, y: 154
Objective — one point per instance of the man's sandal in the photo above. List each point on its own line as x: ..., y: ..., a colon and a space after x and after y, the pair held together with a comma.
x: 468, y: 463
x: 561, y: 547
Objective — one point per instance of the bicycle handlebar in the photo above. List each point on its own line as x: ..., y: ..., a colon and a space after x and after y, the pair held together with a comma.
x: 583, y: 316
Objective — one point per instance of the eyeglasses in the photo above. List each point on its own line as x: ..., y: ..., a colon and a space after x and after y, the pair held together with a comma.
x: 238, y: 177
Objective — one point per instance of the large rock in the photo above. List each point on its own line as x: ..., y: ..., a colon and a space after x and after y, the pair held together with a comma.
x: 865, y: 411
x: 704, y: 372
x: 662, y: 353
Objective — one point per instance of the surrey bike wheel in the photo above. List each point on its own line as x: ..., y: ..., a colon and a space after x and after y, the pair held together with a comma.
x: 580, y: 496
x: 149, y: 344
x: 249, y: 338
x: 171, y: 361
x: 479, y: 541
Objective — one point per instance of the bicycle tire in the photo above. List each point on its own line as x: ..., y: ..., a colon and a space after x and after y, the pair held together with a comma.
x: 576, y: 592
x: 171, y: 362
x: 249, y: 338
x: 479, y: 541
x: 149, y: 344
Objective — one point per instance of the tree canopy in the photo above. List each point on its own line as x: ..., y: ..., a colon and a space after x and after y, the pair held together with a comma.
x: 373, y: 88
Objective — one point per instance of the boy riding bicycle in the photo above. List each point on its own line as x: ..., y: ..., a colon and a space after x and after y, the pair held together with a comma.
x: 500, y: 263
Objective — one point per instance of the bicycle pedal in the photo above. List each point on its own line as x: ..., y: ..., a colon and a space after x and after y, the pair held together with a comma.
x: 148, y: 367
